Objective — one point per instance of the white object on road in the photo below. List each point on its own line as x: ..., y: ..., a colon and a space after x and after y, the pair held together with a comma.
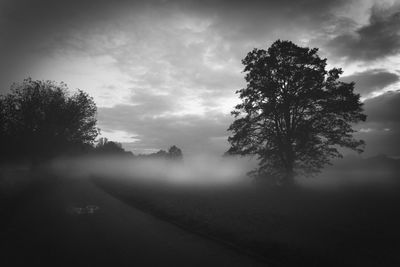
x: 89, y: 209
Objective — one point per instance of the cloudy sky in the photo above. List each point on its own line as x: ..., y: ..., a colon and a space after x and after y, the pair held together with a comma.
x: 165, y: 72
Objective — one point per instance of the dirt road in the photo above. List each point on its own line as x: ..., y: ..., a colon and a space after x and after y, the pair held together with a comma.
x: 62, y: 226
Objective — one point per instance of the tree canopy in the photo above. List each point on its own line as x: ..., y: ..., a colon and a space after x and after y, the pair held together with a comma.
x: 175, y: 153
x: 39, y: 119
x: 294, y: 113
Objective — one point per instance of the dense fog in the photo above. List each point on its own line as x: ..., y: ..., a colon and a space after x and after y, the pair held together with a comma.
x: 198, y: 170
x: 211, y: 170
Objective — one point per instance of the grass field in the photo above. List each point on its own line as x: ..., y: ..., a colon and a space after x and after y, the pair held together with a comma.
x: 346, y: 226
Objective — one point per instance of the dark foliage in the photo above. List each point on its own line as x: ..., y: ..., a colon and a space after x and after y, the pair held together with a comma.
x: 174, y: 153
x: 41, y: 119
x: 294, y: 113
x: 110, y: 148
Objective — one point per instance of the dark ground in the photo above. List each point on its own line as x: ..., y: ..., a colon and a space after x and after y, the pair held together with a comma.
x: 350, y: 226
x: 153, y: 224
x: 40, y: 227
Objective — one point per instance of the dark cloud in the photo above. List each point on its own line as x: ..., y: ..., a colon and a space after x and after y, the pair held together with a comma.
x: 33, y: 30
x: 259, y: 18
x: 376, y: 40
x: 381, y: 131
x: 384, y: 109
x: 42, y: 25
x: 247, y: 17
x: 381, y: 142
x: 372, y: 80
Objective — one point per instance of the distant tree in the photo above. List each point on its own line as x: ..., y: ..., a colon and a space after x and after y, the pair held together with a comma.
x: 109, y: 147
x: 294, y: 113
x: 175, y: 153
x: 40, y: 119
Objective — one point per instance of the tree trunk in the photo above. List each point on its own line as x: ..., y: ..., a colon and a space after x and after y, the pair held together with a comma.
x: 288, y: 180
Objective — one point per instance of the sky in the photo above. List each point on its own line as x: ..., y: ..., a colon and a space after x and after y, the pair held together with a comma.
x: 165, y: 72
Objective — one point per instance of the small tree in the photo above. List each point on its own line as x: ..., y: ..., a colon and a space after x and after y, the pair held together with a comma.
x: 175, y: 153
x: 294, y: 114
x: 41, y: 119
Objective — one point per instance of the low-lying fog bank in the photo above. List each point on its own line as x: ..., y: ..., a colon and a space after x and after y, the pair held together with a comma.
x: 207, y: 170
x: 200, y: 170
x: 351, y: 171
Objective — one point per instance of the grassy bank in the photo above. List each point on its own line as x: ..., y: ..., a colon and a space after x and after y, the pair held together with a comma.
x: 19, y: 184
x: 302, y: 227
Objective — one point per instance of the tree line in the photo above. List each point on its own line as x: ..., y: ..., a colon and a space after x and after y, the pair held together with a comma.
x: 106, y: 147
x: 40, y: 120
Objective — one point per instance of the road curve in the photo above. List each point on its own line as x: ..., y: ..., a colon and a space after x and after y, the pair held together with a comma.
x: 55, y: 228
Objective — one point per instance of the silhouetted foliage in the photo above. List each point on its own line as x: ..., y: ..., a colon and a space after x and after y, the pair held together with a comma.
x: 110, y: 148
x: 294, y: 113
x: 40, y: 119
x: 175, y: 153
x: 161, y: 154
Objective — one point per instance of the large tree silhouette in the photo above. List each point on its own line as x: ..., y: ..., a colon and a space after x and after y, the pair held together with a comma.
x: 40, y: 119
x: 294, y: 113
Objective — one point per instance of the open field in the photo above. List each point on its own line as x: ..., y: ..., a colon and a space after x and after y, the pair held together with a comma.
x: 346, y: 226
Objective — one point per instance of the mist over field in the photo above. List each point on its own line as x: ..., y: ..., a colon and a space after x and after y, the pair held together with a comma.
x: 208, y: 170
x: 353, y: 171
x: 199, y: 170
